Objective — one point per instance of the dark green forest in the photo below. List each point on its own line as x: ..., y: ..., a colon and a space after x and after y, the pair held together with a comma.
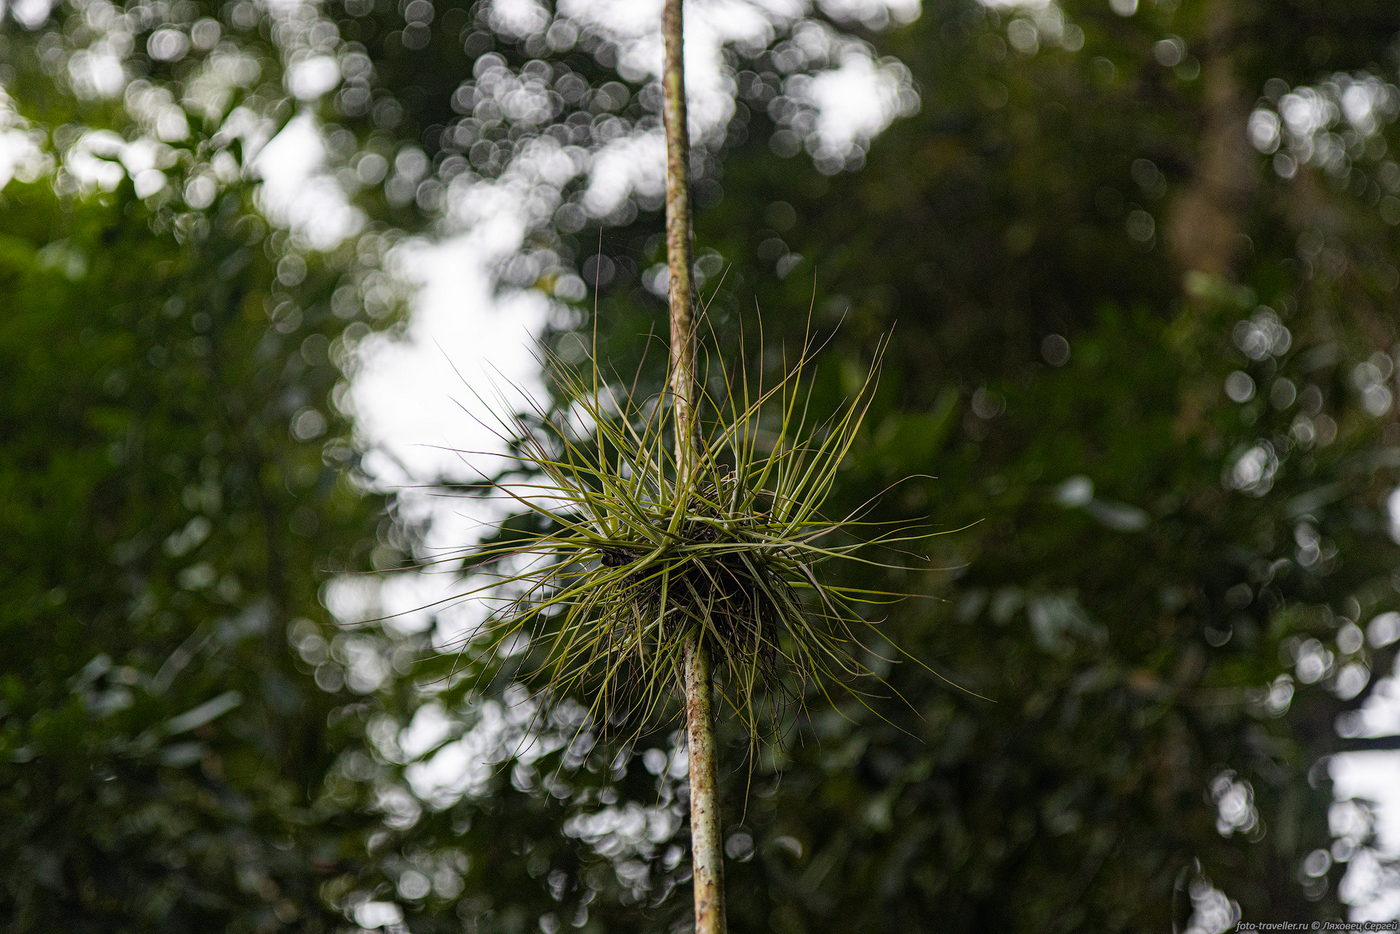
x: 1137, y: 263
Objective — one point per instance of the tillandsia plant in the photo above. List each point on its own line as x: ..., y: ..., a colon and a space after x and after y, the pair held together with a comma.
x: 633, y: 561
x: 630, y: 557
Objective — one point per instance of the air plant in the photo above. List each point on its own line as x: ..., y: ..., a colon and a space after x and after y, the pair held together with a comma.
x: 629, y: 557
x: 652, y: 569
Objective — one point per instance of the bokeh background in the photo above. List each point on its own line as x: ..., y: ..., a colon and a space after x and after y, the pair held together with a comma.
x: 261, y: 259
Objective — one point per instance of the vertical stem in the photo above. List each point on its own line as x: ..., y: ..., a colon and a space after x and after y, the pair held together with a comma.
x: 707, y: 858
x: 683, y: 385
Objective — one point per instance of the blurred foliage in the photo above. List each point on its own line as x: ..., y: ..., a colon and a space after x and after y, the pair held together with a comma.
x: 177, y: 483
x: 1177, y: 573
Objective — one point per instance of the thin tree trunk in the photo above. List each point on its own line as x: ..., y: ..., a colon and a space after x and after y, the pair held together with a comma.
x: 683, y: 386
x: 707, y: 858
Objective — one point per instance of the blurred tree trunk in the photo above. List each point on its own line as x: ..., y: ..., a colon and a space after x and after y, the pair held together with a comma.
x: 1206, y: 223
